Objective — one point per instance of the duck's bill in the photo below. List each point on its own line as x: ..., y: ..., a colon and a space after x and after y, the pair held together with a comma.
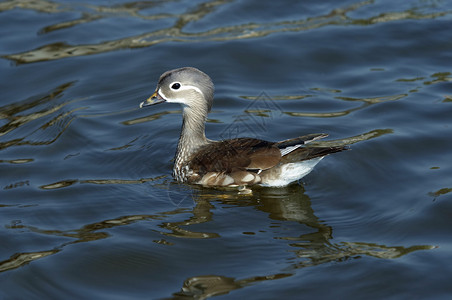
x: 154, y: 99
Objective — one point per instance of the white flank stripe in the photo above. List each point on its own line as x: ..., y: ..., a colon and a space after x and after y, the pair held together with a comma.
x: 292, y: 172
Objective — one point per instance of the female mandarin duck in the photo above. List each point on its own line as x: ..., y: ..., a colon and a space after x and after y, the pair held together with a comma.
x: 235, y: 162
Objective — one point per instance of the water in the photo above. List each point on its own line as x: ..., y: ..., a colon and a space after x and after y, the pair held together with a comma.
x: 88, y: 207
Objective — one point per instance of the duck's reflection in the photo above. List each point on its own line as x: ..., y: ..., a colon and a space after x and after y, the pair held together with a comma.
x: 292, y: 204
x: 312, y: 247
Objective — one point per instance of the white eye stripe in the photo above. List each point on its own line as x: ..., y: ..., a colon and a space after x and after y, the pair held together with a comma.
x: 182, y: 88
x: 190, y: 87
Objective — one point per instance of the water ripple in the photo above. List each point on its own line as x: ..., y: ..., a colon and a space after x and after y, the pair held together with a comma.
x: 310, y: 248
x: 177, y: 33
x: 16, y: 119
x: 70, y: 182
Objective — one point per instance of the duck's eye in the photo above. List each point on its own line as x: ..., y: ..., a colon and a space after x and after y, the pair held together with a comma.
x: 175, y: 86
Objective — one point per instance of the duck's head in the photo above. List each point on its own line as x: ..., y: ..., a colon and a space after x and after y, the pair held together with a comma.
x: 188, y: 86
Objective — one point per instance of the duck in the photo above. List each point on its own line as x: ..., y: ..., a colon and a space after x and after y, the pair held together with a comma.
x: 239, y: 162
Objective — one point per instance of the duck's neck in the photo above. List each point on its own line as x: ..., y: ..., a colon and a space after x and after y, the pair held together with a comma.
x: 192, y: 135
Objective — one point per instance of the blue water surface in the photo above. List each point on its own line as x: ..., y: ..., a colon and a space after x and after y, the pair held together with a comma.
x: 89, y: 209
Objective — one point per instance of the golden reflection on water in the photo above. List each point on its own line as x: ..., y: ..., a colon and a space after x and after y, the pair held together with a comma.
x: 177, y: 33
x: 15, y: 116
x: 206, y: 286
x: 69, y: 182
x: 366, y: 102
x: 440, y: 192
x: 20, y: 259
x: 17, y: 161
x: 151, y: 117
x: 439, y: 78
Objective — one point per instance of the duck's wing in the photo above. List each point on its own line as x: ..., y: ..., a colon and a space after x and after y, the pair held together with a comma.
x: 287, y: 146
x: 310, y: 152
x: 234, y: 162
x: 240, y: 153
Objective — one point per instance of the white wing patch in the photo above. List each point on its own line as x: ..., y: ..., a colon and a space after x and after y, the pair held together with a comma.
x: 289, y: 149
